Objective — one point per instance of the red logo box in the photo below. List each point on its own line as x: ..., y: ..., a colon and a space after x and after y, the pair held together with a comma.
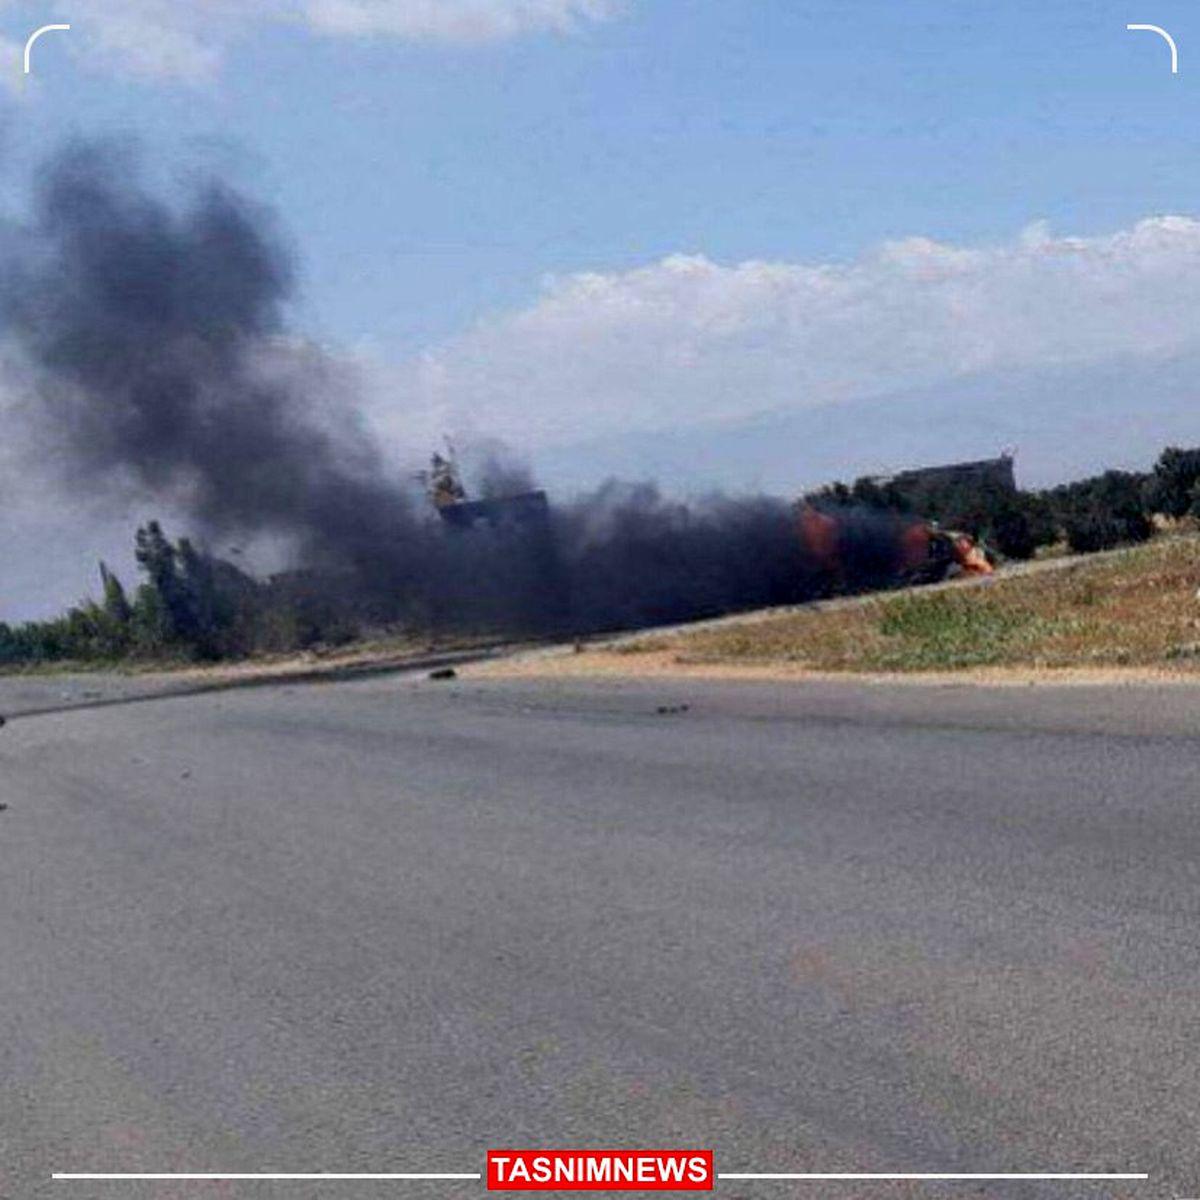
x: 600, y: 1170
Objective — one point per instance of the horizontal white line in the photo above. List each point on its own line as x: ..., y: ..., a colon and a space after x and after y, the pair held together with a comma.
x: 417, y: 1177
x: 225, y: 1177
x: 1029, y: 1175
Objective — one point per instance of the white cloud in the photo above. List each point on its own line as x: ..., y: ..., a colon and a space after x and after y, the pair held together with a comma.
x: 458, y: 20
x: 686, y: 341
x: 187, y: 39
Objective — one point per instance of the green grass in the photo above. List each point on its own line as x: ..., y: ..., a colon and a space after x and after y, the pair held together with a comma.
x: 949, y: 630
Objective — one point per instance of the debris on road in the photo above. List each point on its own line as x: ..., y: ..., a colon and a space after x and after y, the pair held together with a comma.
x: 445, y: 673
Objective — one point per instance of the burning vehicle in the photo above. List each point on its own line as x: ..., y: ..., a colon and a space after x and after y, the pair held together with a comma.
x: 857, y: 550
x: 933, y: 554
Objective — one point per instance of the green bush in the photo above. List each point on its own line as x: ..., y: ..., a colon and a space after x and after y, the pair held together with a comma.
x: 1103, y: 511
x: 1172, y: 487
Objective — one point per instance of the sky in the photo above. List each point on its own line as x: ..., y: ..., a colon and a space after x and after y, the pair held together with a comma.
x: 745, y: 243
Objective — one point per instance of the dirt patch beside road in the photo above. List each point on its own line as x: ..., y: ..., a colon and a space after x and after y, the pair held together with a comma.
x: 667, y: 664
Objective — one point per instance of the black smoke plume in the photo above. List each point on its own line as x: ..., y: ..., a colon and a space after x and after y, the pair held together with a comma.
x: 150, y: 329
x: 149, y: 326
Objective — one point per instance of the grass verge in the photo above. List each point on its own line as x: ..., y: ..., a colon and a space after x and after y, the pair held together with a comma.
x: 1138, y: 608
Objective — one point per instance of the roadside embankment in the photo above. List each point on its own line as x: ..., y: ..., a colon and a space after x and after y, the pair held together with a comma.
x: 1122, y: 615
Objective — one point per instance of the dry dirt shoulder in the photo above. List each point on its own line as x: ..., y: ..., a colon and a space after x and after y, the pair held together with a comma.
x: 666, y: 664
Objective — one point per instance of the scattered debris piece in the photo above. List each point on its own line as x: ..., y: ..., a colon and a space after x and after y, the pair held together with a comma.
x: 444, y: 674
x: 444, y: 486
x: 671, y: 710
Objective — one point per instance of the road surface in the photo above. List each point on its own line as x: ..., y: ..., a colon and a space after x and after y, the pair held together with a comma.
x: 381, y: 926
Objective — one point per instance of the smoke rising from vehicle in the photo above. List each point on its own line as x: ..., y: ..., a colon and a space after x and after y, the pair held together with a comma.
x: 150, y: 327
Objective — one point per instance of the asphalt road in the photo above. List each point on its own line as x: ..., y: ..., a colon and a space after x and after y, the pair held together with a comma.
x: 381, y: 926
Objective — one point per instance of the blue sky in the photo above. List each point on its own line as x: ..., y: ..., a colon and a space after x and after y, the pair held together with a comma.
x: 427, y: 183
x: 738, y: 243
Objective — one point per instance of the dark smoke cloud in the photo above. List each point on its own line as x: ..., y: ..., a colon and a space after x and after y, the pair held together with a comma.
x: 148, y: 326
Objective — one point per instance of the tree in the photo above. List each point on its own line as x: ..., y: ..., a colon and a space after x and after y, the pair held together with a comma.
x: 151, y: 622
x: 1172, y: 488
x: 1103, y: 511
x: 158, y: 559
x: 115, y: 603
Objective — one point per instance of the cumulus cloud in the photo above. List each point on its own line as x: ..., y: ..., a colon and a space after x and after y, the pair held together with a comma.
x: 687, y: 341
x: 187, y: 39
